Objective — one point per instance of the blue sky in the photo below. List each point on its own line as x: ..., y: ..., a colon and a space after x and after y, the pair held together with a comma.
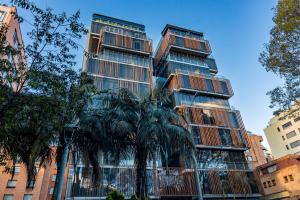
x: 236, y: 29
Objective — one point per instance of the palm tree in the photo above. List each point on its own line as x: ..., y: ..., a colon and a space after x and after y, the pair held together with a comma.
x: 149, y: 125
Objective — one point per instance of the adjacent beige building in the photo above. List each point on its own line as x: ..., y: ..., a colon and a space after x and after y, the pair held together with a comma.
x: 280, y: 178
x: 283, y: 136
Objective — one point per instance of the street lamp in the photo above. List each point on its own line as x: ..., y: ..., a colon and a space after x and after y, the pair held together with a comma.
x: 69, y: 132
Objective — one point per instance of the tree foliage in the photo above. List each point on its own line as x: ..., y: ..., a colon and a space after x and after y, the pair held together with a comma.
x: 40, y: 92
x: 282, y: 56
x: 149, y: 128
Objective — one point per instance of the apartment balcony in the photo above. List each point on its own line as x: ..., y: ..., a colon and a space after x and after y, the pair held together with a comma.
x: 182, y: 44
x: 163, y: 182
x: 110, y: 39
x: 197, y: 84
x: 216, y: 128
x: 189, y: 45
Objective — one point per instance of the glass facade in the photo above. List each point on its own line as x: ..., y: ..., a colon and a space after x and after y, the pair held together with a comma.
x: 121, y: 55
x: 202, y: 98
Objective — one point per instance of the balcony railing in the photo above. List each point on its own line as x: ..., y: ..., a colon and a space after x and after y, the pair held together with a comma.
x: 181, y: 44
x: 162, y: 182
x: 190, y: 45
x: 127, y: 43
x: 200, y: 83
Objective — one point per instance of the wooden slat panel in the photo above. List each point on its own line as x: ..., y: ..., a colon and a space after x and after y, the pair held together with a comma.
x: 210, y: 136
x: 214, y: 182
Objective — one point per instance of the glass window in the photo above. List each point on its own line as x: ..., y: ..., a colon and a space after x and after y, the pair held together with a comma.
x: 27, y: 197
x: 278, y: 129
x: 51, y: 190
x: 196, y: 134
x: 207, y: 118
x: 15, y: 39
x: 283, y: 138
x: 209, y: 85
x: 186, y: 81
x: 242, y: 138
x: 224, y: 87
x: 272, y: 169
x: 291, y: 177
x: 2, y: 15
x: 269, y: 184
x: 295, y: 144
x: 273, y: 182
x: 287, y: 147
x: 290, y: 134
x: 265, y: 185
x: 137, y: 44
x: 8, y: 197
x: 109, y: 39
x: 225, y: 137
x: 110, y: 84
x: 297, y: 119
x: 30, y: 184
x: 17, y: 169
x: 179, y: 41
x: 11, y: 183
x: 286, y: 125
x: 285, y: 179
x: 202, y: 46
x: 126, y: 71
x: 233, y: 119
x: 54, y: 177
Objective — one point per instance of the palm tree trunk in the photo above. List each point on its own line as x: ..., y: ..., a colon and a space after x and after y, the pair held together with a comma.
x: 198, y: 181
x: 141, y: 175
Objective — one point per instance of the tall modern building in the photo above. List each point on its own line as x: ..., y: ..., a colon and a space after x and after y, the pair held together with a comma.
x: 283, y: 135
x: 183, y: 60
x: 119, y: 55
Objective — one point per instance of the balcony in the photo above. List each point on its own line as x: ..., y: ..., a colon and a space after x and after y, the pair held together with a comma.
x: 196, y: 84
x: 189, y: 45
x: 128, y: 43
x: 163, y: 182
x: 182, y: 44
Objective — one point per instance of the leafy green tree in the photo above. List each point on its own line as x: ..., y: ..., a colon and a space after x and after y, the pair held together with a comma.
x: 282, y: 56
x: 39, y: 90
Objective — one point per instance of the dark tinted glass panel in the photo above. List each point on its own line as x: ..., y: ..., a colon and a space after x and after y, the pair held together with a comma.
x: 224, y: 87
x: 110, y: 84
x: 233, y: 120
x: 137, y: 44
x: 126, y: 71
x: 291, y: 134
x: 295, y: 144
x: 242, y: 138
x: 186, y: 81
x: 209, y: 85
x: 196, y: 135
x: 286, y: 125
x: 144, y: 89
x: 109, y: 39
x: 225, y: 136
x: 202, y: 46
x: 252, y: 182
x: 179, y: 41
x: 207, y: 118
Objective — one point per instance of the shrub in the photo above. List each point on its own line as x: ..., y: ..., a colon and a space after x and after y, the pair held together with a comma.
x: 115, y: 195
